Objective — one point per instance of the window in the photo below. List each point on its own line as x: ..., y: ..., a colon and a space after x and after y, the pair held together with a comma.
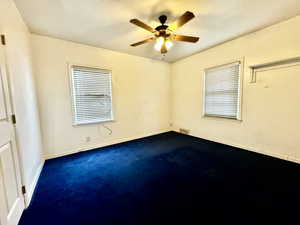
x: 92, y: 95
x: 222, y: 91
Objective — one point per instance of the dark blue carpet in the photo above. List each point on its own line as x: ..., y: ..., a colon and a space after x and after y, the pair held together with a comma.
x: 166, y: 179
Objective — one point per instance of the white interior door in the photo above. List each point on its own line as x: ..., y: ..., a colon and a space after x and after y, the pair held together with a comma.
x: 11, y: 197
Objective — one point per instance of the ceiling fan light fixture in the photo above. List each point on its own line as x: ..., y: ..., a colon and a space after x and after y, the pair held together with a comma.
x: 162, y: 41
x: 168, y: 44
x: 159, y: 43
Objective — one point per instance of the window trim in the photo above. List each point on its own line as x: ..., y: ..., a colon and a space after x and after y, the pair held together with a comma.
x: 240, y: 91
x: 70, y: 67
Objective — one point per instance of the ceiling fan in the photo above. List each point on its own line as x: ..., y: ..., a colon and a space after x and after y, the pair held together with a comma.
x: 163, y: 34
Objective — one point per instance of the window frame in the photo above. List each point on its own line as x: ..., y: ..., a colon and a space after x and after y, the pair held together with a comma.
x: 72, y: 94
x: 240, y: 90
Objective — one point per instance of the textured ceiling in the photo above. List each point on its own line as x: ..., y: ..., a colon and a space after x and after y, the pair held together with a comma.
x: 105, y: 23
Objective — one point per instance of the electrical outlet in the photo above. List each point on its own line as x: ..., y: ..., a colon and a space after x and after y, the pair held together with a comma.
x: 171, y: 124
x: 87, y: 139
x: 184, y: 131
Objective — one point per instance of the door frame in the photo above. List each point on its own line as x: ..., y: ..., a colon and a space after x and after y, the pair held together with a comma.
x: 11, y: 115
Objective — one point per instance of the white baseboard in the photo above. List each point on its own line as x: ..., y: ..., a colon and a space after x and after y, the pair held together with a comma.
x: 16, y: 212
x: 108, y: 143
x: 31, y: 188
x: 247, y: 148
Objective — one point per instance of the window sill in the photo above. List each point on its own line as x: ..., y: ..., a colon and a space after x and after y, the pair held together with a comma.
x: 93, y: 122
x: 222, y: 117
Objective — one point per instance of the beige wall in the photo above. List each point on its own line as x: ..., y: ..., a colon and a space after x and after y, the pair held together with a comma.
x: 18, y: 57
x: 277, y: 42
x: 141, y: 89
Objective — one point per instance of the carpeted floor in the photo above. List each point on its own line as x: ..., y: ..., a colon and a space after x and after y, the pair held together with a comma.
x: 166, y: 179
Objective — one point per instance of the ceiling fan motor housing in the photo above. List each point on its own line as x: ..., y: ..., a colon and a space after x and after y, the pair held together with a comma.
x: 163, y: 19
x: 162, y: 28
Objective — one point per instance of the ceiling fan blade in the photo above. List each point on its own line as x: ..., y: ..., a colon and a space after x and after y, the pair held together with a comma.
x: 186, y: 17
x: 142, y: 25
x: 184, y: 38
x: 143, y: 42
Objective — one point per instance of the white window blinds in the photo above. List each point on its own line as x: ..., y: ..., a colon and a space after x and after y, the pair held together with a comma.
x: 92, y: 95
x: 222, y: 91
